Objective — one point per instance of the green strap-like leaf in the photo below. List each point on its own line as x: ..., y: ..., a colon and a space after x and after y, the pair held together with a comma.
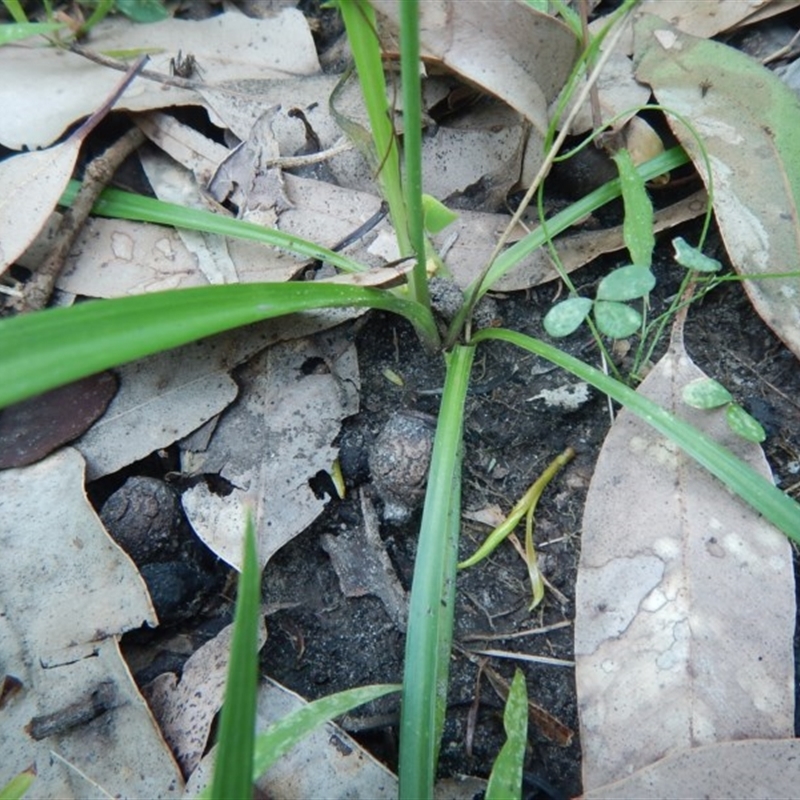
x: 47, y: 349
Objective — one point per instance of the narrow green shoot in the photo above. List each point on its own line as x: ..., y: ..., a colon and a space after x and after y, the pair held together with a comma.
x: 16, y: 31
x: 233, y: 768
x: 284, y: 734
x: 125, y: 205
x: 16, y: 788
x: 430, y: 624
x: 780, y: 509
x: 412, y: 144
x: 362, y: 33
x: 15, y: 9
x: 505, y: 782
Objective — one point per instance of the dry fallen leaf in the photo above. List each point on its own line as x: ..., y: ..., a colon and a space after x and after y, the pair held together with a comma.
x: 326, y: 763
x: 68, y: 592
x: 711, y: 17
x: 676, y: 579
x: 164, y: 397
x: 748, y: 122
x: 504, y: 48
x: 45, y: 89
x: 185, y: 709
x: 270, y: 445
x: 754, y: 769
x: 32, y: 186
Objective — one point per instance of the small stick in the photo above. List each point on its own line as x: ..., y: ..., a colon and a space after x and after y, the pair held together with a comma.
x: 36, y: 293
x: 102, y: 699
x: 122, y: 66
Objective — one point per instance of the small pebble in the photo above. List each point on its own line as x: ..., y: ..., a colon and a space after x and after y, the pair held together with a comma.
x: 399, y: 461
x: 142, y: 516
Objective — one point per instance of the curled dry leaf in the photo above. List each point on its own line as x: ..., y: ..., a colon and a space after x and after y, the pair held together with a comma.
x: 502, y: 47
x: 748, y: 122
x: 675, y: 581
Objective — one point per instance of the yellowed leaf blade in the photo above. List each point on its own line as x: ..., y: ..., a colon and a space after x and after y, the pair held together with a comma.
x: 32, y: 185
x: 676, y: 580
x: 748, y: 121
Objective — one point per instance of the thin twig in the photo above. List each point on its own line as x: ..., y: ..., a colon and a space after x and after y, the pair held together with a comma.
x: 122, y: 66
x: 36, y: 293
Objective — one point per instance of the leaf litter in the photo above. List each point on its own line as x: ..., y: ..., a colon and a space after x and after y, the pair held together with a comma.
x: 495, y: 434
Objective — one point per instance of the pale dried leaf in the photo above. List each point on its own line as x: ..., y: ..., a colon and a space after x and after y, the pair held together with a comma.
x: 185, y: 709
x: 67, y: 592
x: 476, y: 233
x: 45, y: 89
x: 711, y: 17
x: 483, y: 149
x: 116, y: 257
x: 32, y: 186
x: 753, y: 769
x: 183, y: 143
x: 617, y: 91
x: 278, y: 436
x: 164, y: 397
x: 676, y: 579
x: 327, y: 763
x: 748, y: 121
x: 503, y: 47
x: 172, y: 183
x: 506, y: 48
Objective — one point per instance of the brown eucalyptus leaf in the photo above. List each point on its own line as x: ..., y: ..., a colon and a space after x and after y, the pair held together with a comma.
x: 32, y: 429
x: 685, y: 606
x: 748, y: 122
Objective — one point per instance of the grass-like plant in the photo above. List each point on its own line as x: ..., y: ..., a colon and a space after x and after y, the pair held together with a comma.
x: 52, y: 347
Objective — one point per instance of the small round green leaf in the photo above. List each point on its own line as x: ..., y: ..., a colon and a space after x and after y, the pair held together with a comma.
x: 706, y: 393
x: 616, y: 319
x: 744, y: 425
x: 691, y: 258
x: 626, y: 283
x: 567, y: 316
